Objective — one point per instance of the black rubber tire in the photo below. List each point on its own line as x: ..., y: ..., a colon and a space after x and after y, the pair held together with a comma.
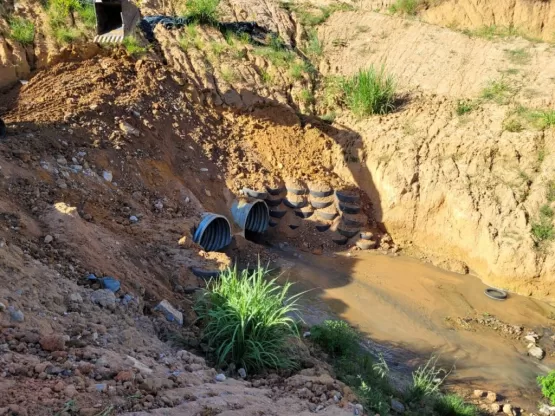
x: 277, y: 214
x: 340, y: 241
x: 295, y: 191
x: 326, y: 216
x: 321, y: 194
x: 350, y: 223
x: 205, y: 274
x: 346, y: 233
x: 350, y: 199
x: 323, y: 227
x: 304, y: 214
x: 293, y: 226
x: 3, y: 129
x: 349, y: 209
x: 320, y: 204
x: 275, y: 191
x: 495, y: 294
x: 255, y: 194
x: 273, y: 202
x: 290, y: 204
x: 273, y: 223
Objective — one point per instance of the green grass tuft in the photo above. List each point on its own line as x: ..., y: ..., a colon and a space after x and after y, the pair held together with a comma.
x: 518, y: 56
x: 247, y: 320
x: 426, y: 381
x: 452, y: 405
x: 497, y: 91
x: 22, y: 30
x: 133, y: 46
x: 546, y: 211
x: 543, y: 230
x: 202, y: 11
x: 544, y: 118
x: 404, y: 7
x: 464, y: 107
x: 277, y: 53
x: 336, y: 338
x: 65, y: 34
x: 369, y: 92
x: 513, y: 125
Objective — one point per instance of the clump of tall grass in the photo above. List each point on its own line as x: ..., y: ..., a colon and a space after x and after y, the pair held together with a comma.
x: 133, y: 46
x: 426, y: 381
x: 370, y: 91
x: 202, y: 11
x: 248, y: 319
x: 22, y: 30
x: 405, y: 7
x: 453, y: 405
x: 336, y: 338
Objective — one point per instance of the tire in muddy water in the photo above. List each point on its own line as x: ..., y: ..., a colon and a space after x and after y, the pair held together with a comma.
x: 495, y: 294
x: 213, y: 232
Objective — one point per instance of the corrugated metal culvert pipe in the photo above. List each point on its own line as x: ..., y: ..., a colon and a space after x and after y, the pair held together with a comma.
x: 252, y: 215
x: 213, y: 232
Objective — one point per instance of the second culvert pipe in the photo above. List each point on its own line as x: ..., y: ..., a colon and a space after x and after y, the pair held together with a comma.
x: 251, y: 215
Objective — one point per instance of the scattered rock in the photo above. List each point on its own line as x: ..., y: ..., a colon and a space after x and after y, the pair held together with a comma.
x: 306, y: 334
x: 104, y: 298
x: 107, y: 175
x: 532, y: 337
x: 59, y: 386
x: 2, y: 307
x: 133, y: 219
x: 16, y: 315
x: 220, y: 377
x: 171, y: 314
x: 479, y: 393
x: 397, y: 406
x: 536, y: 352
x: 110, y: 283
x: 128, y: 129
x: 545, y: 409
x: 242, y: 373
x: 495, y: 407
x: 48, y: 239
x: 52, y: 342
x: 491, y: 397
x: 159, y: 205
x: 124, y: 376
x: 75, y: 298
x: 508, y: 409
x: 70, y: 391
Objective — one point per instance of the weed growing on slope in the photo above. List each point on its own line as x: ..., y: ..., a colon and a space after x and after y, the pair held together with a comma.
x: 497, y: 90
x: 518, y: 56
x: 311, y: 17
x: 513, y: 125
x: 464, y: 107
x: 62, y: 18
x: 369, y: 92
x: 544, y: 118
x: 405, y: 7
x: 247, y: 319
x: 229, y: 75
x: 191, y: 38
x: 452, y: 405
x: 277, y: 53
x: 543, y: 230
x: 21, y: 30
x: 202, y: 11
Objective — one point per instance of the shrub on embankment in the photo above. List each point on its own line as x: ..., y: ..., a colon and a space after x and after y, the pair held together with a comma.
x: 247, y: 320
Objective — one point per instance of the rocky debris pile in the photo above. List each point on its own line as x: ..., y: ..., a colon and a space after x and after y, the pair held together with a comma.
x: 532, y: 339
x: 494, y: 406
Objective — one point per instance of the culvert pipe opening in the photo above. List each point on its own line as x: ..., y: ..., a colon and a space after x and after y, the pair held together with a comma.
x: 252, y: 216
x: 213, y: 232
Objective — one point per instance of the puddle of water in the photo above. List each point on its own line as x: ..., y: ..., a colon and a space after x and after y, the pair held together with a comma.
x: 401, y: 305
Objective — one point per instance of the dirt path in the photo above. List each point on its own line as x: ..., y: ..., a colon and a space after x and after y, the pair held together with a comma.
x: 412, y: 310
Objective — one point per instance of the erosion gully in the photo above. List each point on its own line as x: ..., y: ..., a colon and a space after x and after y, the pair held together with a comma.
x: 403, y: 306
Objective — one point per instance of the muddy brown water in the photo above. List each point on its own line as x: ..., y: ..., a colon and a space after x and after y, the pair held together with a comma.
x: 401, y: 306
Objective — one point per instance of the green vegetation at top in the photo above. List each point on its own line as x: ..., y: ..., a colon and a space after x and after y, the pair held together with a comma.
x: 276, y: 52
x: 370, y: 91
x: 21, y: 30
x: 311, y: 16
x: 202, y: 11
x: 492, y: 32
x: 336, y: 338
x: 247, y: 320
x: 547, y: 384
x: 62, y: 19
x: 405, y: 7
